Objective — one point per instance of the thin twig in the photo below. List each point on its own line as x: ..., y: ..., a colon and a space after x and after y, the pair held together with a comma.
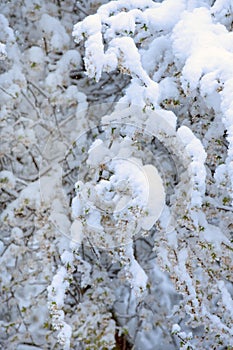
x: 38, y: 88
x: 81, y: 9
x: 10, y: 192
x: 6, y: 92
x: 31, y: 104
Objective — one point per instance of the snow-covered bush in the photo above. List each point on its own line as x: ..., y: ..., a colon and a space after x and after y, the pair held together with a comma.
x: 176, y: 54
x: 116, y: 217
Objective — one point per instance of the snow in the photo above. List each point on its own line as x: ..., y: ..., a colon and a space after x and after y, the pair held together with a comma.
x: 70, y: 58
x: 168, y: 89
x: 90, y: 26
x: 156, y: 199
x: 3, y: 52
x: 77, y: 207
x: 185, y: 277
x: 165, y: 16
x: 185, y: 135
x: 193, y: 145
x: 94, y: 60
x: 94, y: 219
x: 67, y: 258
x: 1, y: 247
x: 134, y: 94
x: 97, y: 153
x: 220, y: 174
x: 126, y: 50
x: 6, y: 34
x: 36, y: 55
x: 106, y: 10
x: 132, y: 174
x: 96, y: 143
x: 222, y: 11
x: 122, y: 22
x: 138, y: 277
x: 56, y: 292
x: 161, y: 121
x: 76, y: 232
x: 64, y: 336
x: 196, y: 151
x: 214, y: 235
x: 175, y: 328
x: 226, y: 297
x: 52, y: 27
